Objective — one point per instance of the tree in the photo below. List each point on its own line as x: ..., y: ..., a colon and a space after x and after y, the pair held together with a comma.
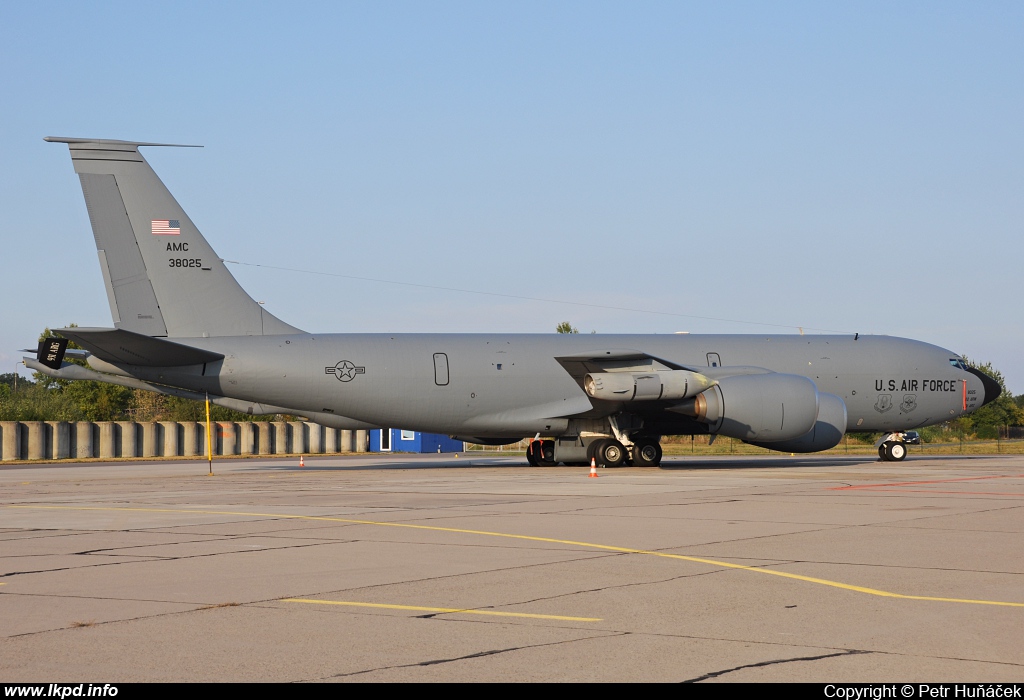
x: 1002, y: 412
x: 12, y: 379
x: 566, y: 327
x: 67, y: 399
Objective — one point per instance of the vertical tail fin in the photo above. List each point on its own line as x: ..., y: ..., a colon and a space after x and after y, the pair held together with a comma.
x: 161, y: 275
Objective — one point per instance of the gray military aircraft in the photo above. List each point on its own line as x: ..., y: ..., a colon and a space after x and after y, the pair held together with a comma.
x: 183, y: 326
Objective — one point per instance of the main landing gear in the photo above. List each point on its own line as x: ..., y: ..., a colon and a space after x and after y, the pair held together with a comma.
x: 541, y: 453
x: 605, y: 451
x: 608, y: 452
x: 646, y: 453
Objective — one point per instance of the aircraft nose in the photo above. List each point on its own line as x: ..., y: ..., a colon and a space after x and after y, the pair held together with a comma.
x: 992, y: 388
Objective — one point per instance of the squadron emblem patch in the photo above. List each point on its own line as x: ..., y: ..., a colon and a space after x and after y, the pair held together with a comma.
x: 909, y: 403
x: 345, y: 371
x: 884, y: 403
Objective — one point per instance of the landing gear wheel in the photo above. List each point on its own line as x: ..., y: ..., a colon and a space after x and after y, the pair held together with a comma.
x: 896, y: 451
x: 881, y: 453
x: 610, y: 453
x: 646, y: 453
x: 546, y: 455
x: 530, y: 457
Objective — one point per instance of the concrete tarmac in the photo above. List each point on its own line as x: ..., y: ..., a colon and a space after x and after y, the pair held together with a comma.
x: 436, y: 568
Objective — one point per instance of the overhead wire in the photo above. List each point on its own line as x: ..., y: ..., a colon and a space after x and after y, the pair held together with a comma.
x: 538, y: 299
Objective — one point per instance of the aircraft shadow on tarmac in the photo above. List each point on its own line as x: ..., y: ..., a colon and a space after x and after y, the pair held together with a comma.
x: 669, y: 464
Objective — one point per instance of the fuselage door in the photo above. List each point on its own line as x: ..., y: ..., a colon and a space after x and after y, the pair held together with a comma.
x: 714, y: 360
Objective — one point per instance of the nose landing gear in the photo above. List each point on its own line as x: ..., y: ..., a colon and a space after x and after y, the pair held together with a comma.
x: 893, y: 447
x: 892, y: 451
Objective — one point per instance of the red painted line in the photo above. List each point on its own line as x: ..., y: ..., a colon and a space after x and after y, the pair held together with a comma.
x: 956, y: 493
x: 915, y: 483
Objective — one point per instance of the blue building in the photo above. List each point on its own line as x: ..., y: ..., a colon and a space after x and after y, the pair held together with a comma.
x: 395, y: 440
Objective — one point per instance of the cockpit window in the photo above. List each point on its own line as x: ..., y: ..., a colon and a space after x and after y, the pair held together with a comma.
x: 957, y: 362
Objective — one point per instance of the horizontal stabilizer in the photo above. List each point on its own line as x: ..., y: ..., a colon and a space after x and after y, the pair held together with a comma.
x: 76, y: 372
x: 70, y: 352
x: 113, y: 142
x: 126, y: 348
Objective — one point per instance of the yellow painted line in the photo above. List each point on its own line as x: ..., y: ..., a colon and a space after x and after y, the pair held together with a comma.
x: 532, y: 538
x: 461, y: 611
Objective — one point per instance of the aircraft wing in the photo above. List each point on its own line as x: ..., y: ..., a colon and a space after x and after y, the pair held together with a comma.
x: 127, y: 348
x: 614, y: 377
x: 614, y: 360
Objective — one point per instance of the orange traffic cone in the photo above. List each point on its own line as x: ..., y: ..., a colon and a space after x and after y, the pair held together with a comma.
x: 302, y: 462
x: 593, y: 468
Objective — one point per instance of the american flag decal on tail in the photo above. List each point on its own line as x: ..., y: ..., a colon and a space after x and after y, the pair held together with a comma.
x: 166, y: 227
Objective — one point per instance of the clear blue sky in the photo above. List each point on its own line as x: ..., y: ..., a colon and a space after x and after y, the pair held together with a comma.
x: 857, y: 167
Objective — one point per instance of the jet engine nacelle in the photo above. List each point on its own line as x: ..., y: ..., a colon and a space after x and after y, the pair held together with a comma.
x: 828, y: 430
x: 757, y: 407
x: 669, y: 385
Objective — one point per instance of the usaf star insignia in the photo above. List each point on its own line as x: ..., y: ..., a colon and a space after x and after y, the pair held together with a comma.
x: 345, y: 371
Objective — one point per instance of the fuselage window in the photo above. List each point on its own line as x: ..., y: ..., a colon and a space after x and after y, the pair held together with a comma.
x: 440, y: 369
x: 957, y: 362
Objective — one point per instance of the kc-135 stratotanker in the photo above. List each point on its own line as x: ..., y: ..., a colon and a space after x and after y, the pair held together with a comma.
x: 184, y: 326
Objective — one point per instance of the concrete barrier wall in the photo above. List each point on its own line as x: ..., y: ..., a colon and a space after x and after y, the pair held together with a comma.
x: 85, y: 440
x: 10, y: 440
x: 127, y: 433
x: 170, y: 437
x: 191, y: 439
x: 264, y: 441
x: 58, y: 440
x: 107, y: 435
x: 246, y: 434
x: 150, y: 435
x: 281, y: 445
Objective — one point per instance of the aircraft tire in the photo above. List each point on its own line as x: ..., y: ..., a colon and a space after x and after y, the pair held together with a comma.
x: 546, y: 458
x: 882, y: 452
x: 610, y: 453
x: 647, y: 453
x: 530, y: 456
x: 896, y: 451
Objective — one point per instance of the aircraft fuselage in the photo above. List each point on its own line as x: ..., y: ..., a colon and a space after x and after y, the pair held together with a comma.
x: 475, y: 384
